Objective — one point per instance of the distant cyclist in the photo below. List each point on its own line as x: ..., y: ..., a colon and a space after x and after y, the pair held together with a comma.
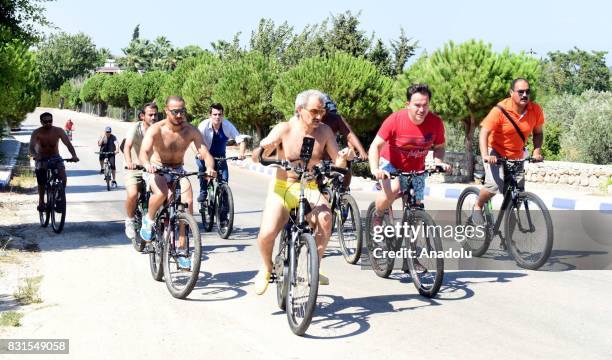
x: 131, y: 151
x: 68, y: 128
x: 44, y: 149
x: 216, y: 131
x: 108, y: 143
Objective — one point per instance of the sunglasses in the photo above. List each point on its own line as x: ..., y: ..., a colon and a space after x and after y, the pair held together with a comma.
x: 46, y: 121
x: 176, y: 112
x: 524, y: 92
x: 315, y: 112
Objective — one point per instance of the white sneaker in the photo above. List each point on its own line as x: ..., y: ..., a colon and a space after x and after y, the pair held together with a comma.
x: 130, y: 231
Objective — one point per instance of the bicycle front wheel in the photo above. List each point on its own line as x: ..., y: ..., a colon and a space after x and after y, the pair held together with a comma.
x: 529, y: 231
x: 303, y: 284
x: 281, y: 270
x: 425, y: 257
x: 58, y: 208
x: 156, y: 249
x: 45, y: 215
x: 182, y: 256
x: 478, y: 245
x: 348, y: 223
x: 378, y: 244
x: 225, y: 211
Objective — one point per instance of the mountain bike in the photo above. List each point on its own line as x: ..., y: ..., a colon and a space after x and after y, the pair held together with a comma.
x: 55, y: 198
x: 419, y: 248
x: 219, y: 203
x: 107, y: 169
x: 346, y: 218
x: 172, y: 224
x: 142, y: 205
x: 526, y: 217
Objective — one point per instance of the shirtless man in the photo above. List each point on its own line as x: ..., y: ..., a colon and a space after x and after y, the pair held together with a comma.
x: 44, y: 148
x: 283, y: 194
x: 164, y: 144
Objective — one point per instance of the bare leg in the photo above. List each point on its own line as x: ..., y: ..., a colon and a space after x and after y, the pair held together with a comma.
x: 274, y: 217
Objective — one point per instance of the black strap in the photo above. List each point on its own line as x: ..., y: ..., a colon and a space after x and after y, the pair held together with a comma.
x: 513, y: 123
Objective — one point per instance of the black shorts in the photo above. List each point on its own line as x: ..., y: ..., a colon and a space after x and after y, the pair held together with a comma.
x: 41, y: 168
x: 111, y: 159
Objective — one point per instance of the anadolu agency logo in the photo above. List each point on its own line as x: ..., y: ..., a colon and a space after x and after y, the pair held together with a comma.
x: 412, y: 233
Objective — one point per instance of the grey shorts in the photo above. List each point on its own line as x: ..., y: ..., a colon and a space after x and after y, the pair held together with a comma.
x: 149, y: 178
x: 494, y: 176
x: 418, y: 182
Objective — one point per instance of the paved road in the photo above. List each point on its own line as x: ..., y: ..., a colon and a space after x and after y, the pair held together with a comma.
x: 101, y: 296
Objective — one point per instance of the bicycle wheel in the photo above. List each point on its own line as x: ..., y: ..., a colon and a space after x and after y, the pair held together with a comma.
x: 381, y: 264
x: 179, y: 280
x: 58, y: 208
x: 208, y: 210
x: 478, y: 245
x: 137, y: 241
x: 45, y: 215
x: 303, y: 284
x: 529, y: 231
x: 107, y: 176
x: 348, y: 223
x: 156, y: 248
x: 425, y: 261
x: 225, y: 211
x: 281, y: 269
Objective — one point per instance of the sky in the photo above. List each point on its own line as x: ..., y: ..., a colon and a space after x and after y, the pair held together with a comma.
x: 539, y: 26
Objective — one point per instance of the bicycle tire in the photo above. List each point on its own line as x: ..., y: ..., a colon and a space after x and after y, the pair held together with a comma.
x: 513, y: 249
x: 350, y: 253
x: 225, y: 197
x: 45, y: 215
x: 299, y: 325
x: 156, y: 254
x: 208, y: 210
x: 137, y: 242
x: 107, y: 177
x: 58, y: 206
x: 427, y: 288
x: 382, y: 267
x: 184, y: 291
x: 477, y: 246
x: 281, y: 269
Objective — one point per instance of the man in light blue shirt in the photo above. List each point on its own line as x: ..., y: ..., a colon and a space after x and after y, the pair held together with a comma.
x: 216, y: 131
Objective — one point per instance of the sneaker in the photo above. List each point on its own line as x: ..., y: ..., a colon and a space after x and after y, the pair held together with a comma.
x: 477, y: 218
x: 130, y: 231
x: 41, y: 208
x: 377, y: 220
x: 323, y: 280
x: 262, y: 279
x: 101, y: 171
x: 202, y: 197
x: 114, y: 183
x: 184, y: 262
x: 146, y: 230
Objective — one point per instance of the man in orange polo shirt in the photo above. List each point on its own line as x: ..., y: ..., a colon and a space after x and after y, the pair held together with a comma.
x: 499, y: 138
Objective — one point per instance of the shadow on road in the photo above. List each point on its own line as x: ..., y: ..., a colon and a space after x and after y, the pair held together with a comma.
x: 76, y: 189
x: 76, y: 173
x: 339, y: 317
x: 221, y: 286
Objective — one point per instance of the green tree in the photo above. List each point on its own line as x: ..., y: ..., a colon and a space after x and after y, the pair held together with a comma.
x: 103, y: 55
x: 361, y: 91
x: 228, y: 51
x: 115, y: 89
x: 138, y: 55
x: 402, y: 49
x: 269, y: 40
x: 199, y: 84
x: 63, y: 56
x: 20, y: 20
x: 345, y: 35
x: 380, y: 57
x: 309, y: 43
x: 146, y: 88
x: 245, y: 90
x: 91, y: 90
x: 576, y: 71
x: 19, y: 81
x: 174, y: 83
x: 467, y: 80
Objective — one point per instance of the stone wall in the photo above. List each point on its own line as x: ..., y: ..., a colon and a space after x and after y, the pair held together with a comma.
x: 547, y: 172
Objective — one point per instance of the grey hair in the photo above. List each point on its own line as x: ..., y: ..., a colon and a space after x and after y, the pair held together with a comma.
x: 302, y: 98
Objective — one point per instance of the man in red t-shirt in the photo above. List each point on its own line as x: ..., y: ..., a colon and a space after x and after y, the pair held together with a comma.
x: 402, y: 143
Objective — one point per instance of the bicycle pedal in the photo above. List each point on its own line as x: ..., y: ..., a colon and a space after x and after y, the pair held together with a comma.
x: 273, y: 278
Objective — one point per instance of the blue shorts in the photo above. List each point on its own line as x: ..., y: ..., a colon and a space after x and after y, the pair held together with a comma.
x: 418, y: 181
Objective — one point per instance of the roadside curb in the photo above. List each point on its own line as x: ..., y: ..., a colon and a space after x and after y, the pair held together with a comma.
x: 452, y: 191
x: 9, y: 147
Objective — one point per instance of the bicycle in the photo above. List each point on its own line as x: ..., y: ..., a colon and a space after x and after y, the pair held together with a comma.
x: 141, y: 210
x: 69, y: 134
x: 54, y: 199
x: 170, y: 221
x: 296, y: 265
x: 107, y: 169
x: 518, y: 208
x: 346, y: 218
x: 425, y: 268
x: 219, y: 202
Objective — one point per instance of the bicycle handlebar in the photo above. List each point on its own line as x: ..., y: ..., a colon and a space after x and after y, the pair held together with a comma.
x: 105, y: 152
x: 503, y: 160
x: 436, y: 169
x: 170, y: 171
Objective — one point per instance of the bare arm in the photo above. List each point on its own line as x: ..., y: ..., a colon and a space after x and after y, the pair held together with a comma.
x: 483, y: 140
x: 146, y: 149
x: 353, y: 141
x: 270, y: 142
x: 538, y: 140
x: 32, y: 147
x: 68, y: 144
x: 127, y: 153
x: 374, y: 157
